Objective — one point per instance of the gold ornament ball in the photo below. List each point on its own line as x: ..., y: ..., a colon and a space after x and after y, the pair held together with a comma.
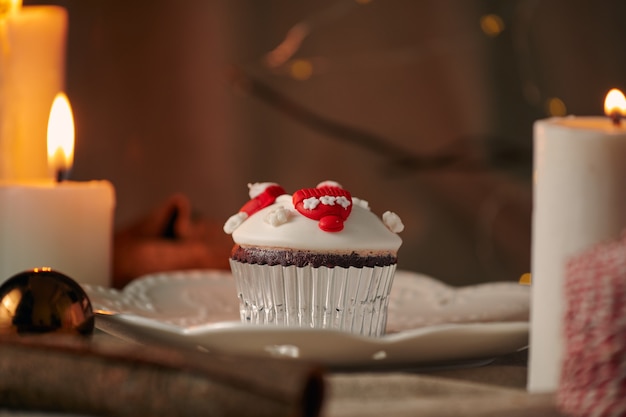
x: 43, y: 300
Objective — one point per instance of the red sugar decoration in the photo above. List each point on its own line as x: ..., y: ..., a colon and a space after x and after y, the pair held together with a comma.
x: 267, y: 197
x: 593, y: 378
x: 331, y: 216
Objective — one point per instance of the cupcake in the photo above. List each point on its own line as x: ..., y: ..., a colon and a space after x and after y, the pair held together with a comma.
x: 319, y: 258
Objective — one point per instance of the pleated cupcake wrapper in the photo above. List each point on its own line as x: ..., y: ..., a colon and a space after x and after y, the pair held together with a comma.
x: 349, y: 299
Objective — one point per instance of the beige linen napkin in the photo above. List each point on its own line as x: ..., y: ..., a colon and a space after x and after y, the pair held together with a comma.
x: 61, y: 374
x: 400, y: 394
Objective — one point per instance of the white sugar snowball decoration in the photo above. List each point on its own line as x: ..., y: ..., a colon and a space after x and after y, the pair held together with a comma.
x: 277, y: 217
x: 393, y: 222
x: 235, y: 221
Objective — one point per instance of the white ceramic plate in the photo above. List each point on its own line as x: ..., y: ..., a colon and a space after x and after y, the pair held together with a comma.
x: 429, y: 322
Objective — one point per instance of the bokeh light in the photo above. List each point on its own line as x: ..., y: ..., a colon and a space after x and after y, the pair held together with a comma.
x: 556, y: 107
x: 492, y: 25
x: 301, y: 69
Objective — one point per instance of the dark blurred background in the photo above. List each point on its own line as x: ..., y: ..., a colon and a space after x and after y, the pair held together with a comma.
x: 422, y: 107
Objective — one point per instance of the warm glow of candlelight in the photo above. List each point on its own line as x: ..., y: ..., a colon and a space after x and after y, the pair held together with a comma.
x: 61, y: 135
x: 9, y: 6
x: 615, y: 103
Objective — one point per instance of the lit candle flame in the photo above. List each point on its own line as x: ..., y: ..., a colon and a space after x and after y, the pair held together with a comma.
x: 9, y: 6
x: 615, y: 105
x: 61, y: 136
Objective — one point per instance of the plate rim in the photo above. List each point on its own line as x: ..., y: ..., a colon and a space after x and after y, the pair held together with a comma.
x: 397, y: 346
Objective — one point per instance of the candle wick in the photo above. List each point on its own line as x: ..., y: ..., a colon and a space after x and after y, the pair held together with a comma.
x: 616, y: 117
x: 62, y: 174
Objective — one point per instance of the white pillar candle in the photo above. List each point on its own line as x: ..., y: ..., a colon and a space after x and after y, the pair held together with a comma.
x: 32, y: 71
x: 66, y: 226
x: 579, y: 200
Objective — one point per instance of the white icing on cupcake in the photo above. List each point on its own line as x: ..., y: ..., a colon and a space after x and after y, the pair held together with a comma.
x: 280, y: 225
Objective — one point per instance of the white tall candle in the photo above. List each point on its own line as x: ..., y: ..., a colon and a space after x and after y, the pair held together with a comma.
x: 67, y: 226
x: 32, y: 71
x: 579, y: 200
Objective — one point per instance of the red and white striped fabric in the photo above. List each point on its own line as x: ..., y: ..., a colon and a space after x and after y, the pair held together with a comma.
x: 593, y: 379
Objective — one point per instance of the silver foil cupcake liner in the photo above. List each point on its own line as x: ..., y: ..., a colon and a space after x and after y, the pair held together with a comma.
x: 354, y: 300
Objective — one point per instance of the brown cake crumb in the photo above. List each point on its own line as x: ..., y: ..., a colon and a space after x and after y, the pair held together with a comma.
x: 260, y: 256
